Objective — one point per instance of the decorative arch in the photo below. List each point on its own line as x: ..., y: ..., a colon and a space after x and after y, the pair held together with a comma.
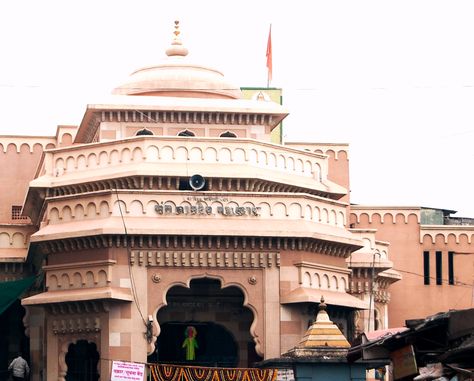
x: 240, y: 155
x: 228, y: 134
x: 144, y: 132
x: 196, y: 154
x: 81, y: 162
x: 343, y: 284
x: 25, y: 148
x: 187, y: 133
x: 317, y: 172
x: 225, y: 155
x: 295, y: 210
x: 4, y: 239
x: 272, y: 160
x: 114, y: 157
x: 136, y: 208
x: 307, y: 279
x: 18, y: 240
x: 64, y: 349
x: 137, y: 154
x: 324, y: 217
x: 181, y: 154
x: 92, y: 160
x: 341, y: 218
x: 247, y: 303
x: 126, y: 155
x: 325, y: 285
x: 317, y: 280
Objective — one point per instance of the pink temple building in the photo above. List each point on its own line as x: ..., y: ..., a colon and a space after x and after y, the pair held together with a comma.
x: 169, y: 206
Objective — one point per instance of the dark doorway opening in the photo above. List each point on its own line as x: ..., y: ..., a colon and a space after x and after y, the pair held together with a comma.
x: 82, y: 359
x: 220, y: 320
x: 12, y: 337
x: 215, y: 345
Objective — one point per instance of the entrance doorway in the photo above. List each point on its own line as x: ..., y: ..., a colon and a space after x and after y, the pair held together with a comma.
x: 219, y: 320
x: 13, y: 339
x: 82, y: 359
x: 215, y: 345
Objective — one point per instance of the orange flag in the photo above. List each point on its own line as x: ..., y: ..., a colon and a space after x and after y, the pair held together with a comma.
x: 269, y: 56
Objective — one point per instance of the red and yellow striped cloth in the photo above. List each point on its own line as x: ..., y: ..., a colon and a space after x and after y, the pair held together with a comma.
x: 162, y: 372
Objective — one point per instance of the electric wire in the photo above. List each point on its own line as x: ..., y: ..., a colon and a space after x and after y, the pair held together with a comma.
x: 443, y: 280
x: 129, y: 257
x: 296, y: 88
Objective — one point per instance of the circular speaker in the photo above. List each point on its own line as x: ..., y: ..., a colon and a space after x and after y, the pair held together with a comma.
x: 197, y: 182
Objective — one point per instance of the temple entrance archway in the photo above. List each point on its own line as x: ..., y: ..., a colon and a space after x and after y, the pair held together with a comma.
x: 220, y: 322
x: 82, y: 361
x: 216, y: 346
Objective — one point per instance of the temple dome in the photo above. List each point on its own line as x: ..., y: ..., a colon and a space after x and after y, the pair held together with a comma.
x: 177, y: 77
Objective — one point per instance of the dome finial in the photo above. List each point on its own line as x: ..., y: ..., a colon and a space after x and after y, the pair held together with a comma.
x: 322, y: 305
x: 176, y: 48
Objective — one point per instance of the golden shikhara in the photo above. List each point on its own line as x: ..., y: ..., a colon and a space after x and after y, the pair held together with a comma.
x: 162, y: 372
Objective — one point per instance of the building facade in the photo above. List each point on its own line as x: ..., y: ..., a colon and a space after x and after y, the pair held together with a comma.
x: 434, y: 254
x: 168, y: 227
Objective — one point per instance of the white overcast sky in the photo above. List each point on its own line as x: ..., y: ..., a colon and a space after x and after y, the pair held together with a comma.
x: 394, y: 79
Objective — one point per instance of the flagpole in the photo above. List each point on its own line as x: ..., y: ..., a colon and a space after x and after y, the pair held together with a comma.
x: 269, y: 57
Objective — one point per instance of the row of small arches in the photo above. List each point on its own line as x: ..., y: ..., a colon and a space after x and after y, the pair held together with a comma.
x: 278, y: 209
x: 384, y: 217
x: 457, y: 237
x: 25, y: 147
x: 189, y: 133
x: 167, y: 153
x: 324, y: 281
x: 77, y: 280
x: 13, y: 240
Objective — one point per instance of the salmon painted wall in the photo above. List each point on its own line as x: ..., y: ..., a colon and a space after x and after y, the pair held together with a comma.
x: 410, y: 297
x: 18, y: 164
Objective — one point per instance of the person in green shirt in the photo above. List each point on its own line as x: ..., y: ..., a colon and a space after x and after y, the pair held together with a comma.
x: 190, y: 343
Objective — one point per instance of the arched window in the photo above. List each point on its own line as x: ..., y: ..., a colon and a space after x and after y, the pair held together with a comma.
x: 228, y: 134
x: 186, y: 133
x: 145, y: 131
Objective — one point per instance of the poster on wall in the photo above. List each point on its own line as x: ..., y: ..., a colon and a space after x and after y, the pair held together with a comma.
x: 285, y: 374
x: 127, y: 371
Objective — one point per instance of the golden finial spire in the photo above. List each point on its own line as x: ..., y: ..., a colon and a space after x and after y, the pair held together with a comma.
x: 176, y: 48
x: 176, y: 29
x: 323, y: 332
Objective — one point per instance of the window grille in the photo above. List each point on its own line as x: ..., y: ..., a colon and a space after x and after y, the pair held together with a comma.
x: 16, y: 213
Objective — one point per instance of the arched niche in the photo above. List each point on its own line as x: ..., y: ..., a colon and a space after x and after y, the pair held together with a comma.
x: 212, y: 308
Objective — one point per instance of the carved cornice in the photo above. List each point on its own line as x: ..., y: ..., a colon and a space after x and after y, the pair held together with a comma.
x: 382, y: 296
x: 78, y: 307
x: 76, y: 325
x: 357, y: 287
x: 13, y: 271
x: 156, y: 118
x: 232, y: 259
x: 171, y: 183
x: 217, y: 243
x: 185, y: 117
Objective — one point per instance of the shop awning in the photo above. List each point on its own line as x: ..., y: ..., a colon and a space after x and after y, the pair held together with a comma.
x: 79, y: 294
x: 312, y: 295
x: 12, y: 290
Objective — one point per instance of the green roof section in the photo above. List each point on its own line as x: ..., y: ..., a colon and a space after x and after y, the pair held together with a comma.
x: 12, y: 290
